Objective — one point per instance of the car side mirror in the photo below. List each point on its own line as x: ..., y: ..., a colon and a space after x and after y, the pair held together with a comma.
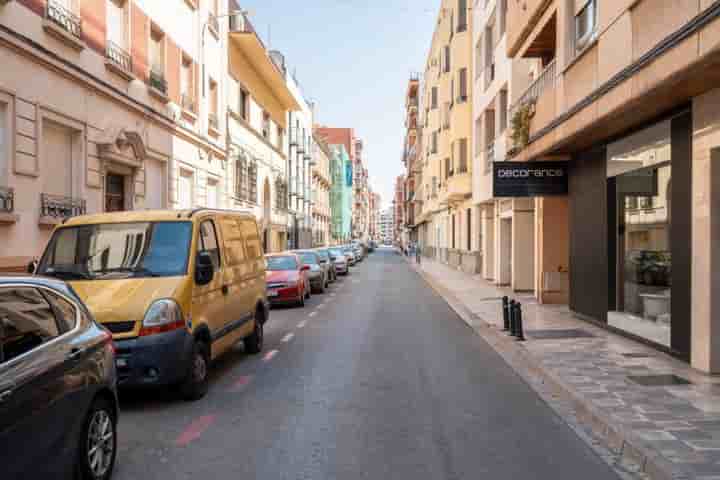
x: 204, y: 269
x: 305, y: 268
x: 32, y: 267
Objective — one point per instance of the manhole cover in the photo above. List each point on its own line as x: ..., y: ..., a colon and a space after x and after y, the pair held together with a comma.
x: 636, y: 355
x: 560, y: 334
x: 661, y: 380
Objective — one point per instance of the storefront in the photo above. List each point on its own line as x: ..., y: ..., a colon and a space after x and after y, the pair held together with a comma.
x: 630, y: 233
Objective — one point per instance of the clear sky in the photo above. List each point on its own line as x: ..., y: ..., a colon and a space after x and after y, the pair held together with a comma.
x: 353, y: 58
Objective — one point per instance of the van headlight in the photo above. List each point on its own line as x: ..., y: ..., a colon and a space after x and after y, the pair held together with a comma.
x: 162, y: 316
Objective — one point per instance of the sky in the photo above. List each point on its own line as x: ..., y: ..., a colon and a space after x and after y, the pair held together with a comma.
x: 353, y: 58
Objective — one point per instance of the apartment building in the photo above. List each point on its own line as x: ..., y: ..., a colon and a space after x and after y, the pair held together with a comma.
x: 107, y: 105
x: 387, y: 226
x: 321, y: 186
x: 258, y: 102
x: 399, y: 227
x: 374, y: 223
x: 447, y: 136
x: 626, y: 94
x: 410, y: 158
x: 340, y: 193
x: 300, y: 157
x: 360, y: 216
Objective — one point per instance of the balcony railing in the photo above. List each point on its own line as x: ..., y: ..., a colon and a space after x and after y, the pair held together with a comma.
x: 188, y: 102
x: 545, y: 80
x: 64, y: 18
x: 490, y: 155
x: 119, y: 56
x: 157, y: 81
x: 7, y: 200
x: 293, y: 136
x: 57, y: 206
x: 213, y: 121
x: 213, y: 23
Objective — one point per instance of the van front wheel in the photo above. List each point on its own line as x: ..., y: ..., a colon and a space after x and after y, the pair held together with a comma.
x: 254, y: 343
x: 195, y: 384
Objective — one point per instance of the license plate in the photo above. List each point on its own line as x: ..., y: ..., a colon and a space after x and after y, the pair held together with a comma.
x: 272, y: 293
x: 121, y: 362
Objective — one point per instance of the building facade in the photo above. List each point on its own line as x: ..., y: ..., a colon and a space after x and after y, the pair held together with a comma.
x: 321, y: 186
x: 447, y: 136
x: 412, y: 161
x: 340, y: 194
x: 387, y: 226
x: 123, y: 112
x: 258, y: 101
x: 374, y: 223
x: 630, y: 103
x: 361, y: 202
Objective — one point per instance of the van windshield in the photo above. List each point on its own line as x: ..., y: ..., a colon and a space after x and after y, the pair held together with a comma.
x: 118, y: 250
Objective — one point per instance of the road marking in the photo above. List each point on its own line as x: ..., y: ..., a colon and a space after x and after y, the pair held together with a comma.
x: 241, y: 383
x: 333, y: 294
x: 269, y: 355
x: 301, y: 324
x: 322, y: 305
x: 311, y: 314
x: 287, y: 337
x: 194, y: 430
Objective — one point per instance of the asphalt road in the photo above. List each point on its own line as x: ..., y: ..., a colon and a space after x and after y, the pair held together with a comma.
x: 376, y: 379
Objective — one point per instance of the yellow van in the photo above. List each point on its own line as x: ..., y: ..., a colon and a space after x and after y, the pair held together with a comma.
x: 175, y: 288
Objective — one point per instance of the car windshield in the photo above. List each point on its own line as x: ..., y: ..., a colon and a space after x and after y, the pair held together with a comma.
x: 309, y: 258
x: 323, y: 254
x: 336, y: 252
x: 281, y: 263
x: 118, y: 250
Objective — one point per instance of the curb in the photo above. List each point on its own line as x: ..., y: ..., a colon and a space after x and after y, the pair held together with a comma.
x: 615, y: 437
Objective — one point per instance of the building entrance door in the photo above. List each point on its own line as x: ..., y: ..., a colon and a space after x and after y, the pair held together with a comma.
x: 114, y: 193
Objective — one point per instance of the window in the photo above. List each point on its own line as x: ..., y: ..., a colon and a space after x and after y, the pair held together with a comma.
x: 463, y: 91
x: 207, y: 242
x: 232, y: 238
x: 26, y: 322
x: 468, y: 232
x: 462, y: 16
x: 212, y: 193
x: 585, y: 24
x: 434, y: 143
x: 446, y: 57
x: 157, y: 51
x: 66, y: 311
x: 502, y: 17
x: 185, y: 189
x: 478, y: 57
x: 213, y: 120
x: 462, y: 155
x: 187, y: 94
x: 266, y: 126
x: 448, y: 168
x: 116, y: 32
x: 252, y: 181
x: 280, y: 137
x: 244, y: 107
x: 434, y: 98
x: 478, y: 136
x: 252, y: 239
x: 452, y: 219
x: 503, y: 110
x: 241, y: 166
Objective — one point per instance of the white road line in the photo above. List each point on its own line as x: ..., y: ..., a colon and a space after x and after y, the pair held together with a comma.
x: 301, y: 324
x: 287, y: 337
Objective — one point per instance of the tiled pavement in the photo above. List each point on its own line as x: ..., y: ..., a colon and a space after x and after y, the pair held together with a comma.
x: 668, y: 431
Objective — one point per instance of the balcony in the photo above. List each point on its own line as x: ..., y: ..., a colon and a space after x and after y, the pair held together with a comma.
x: 7, y: 206
x: 187, y: 102
x: 118, y: 60
x: 55, y: 208
x: 538, y: 102
x: 213, y: 122
x: 158, y: 84
x: 64, y: 24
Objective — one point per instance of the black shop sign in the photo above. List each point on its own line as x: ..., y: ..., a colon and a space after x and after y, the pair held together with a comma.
x: 529, y: 179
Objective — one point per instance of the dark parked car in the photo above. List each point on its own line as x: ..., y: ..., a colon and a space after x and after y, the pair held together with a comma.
x: 316, y: 275
x: 326, y: 262
x: 58, y: 398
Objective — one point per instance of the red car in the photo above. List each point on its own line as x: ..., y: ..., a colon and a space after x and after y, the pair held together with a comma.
x: 286, y: 279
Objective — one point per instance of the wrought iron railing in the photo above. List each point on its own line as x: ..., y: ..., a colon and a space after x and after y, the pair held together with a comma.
x: 119, y: 56
x: 57, y: 206
x: 213, y: 121
x: 157, y: 81
x: 7, y: 200
x: 64, y: 18
x: 187, y: 102
x: 546, y: 79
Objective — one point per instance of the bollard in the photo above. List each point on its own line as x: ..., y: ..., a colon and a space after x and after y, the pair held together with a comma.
x: 506, y: 314
x: 511, y: 313
x: 518, y: 323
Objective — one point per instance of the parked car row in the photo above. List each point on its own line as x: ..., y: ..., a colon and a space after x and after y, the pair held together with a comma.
x: 133, y: 299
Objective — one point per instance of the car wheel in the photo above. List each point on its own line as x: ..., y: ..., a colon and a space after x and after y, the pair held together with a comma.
x: 98, y: 443
x: 195, y: 384
x: 308, y: 292
x: 254, y: 343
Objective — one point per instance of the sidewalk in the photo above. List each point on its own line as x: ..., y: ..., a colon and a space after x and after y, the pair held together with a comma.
x: 669, y: 432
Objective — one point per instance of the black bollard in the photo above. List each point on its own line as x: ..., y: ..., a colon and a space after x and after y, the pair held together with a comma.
x: 506, y: 314
x: 518, y: 323
x: 511, y: 312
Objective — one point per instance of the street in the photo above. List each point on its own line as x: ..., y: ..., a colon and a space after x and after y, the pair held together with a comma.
x: 377, y: 378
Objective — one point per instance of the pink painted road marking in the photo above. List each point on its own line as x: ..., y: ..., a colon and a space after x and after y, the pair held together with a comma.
x: 241, y: 383
x: 194, y: 430
x: 269, y: 355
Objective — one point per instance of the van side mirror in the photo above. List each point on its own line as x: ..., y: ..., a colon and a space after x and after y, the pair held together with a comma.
x: 204, y: 269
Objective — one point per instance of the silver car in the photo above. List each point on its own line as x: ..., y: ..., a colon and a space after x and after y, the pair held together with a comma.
x: 340, y: 260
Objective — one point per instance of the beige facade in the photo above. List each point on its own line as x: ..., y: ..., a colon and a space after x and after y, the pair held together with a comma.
x: 104, y: 112
x: 321, y: 193
x: 447, y: 137
x: 611, y: 73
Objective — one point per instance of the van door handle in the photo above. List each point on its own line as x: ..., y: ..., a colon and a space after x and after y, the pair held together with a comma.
x: 225, y: 289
